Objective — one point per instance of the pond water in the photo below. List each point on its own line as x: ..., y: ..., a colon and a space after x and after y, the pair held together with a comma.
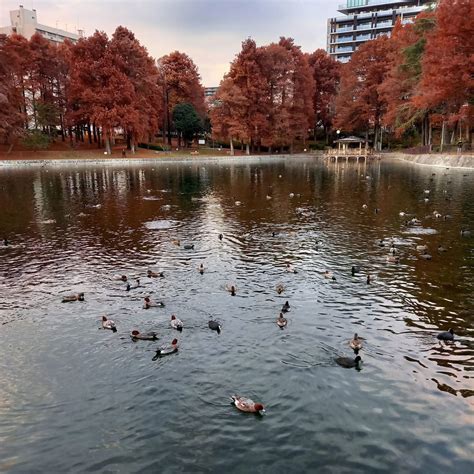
x: 74, y: 398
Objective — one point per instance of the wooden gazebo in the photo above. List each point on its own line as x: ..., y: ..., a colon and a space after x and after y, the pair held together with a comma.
x: 350, y: 148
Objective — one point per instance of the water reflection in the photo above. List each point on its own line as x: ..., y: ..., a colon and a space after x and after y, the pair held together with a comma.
x: 111, y: 221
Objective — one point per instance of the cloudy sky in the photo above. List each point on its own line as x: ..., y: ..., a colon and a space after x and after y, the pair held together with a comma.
x: 210, y: 31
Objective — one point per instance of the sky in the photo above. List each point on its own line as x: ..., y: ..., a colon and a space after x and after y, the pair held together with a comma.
x: 209, y: 31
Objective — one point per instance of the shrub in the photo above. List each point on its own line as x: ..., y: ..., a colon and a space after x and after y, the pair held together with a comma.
x: 35, y: 140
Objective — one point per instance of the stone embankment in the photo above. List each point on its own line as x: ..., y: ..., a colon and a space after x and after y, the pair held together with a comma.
x: 465, y: 161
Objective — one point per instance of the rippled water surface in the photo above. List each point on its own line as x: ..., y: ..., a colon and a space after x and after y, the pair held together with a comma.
x: 74, y: 398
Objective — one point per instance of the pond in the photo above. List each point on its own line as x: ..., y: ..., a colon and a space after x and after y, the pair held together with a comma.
x: 77, y: 398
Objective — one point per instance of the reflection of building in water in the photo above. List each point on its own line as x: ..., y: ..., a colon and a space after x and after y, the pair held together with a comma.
x: 25, y: 23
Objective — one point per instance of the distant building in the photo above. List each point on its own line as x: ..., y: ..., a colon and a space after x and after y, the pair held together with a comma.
x: 25, y: 23
x: 364, y: 20
x: 210, y: 91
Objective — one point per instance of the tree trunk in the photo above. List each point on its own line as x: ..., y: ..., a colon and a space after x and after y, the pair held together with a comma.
x: 133, y: 147
x: 89, y: 132
x: 247, y: 149
x: 168, y: 118
x: 269, y: 150
x: 107, y: 144
x: 430, y: 134
x: 441, y: 145
x: 129, y: 142
x: 94, y: 132
x: 231, y: 146
x: 99, y: 145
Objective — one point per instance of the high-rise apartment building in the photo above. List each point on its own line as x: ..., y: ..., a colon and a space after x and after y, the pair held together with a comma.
x: 25, y: 23
x: 364, y: 20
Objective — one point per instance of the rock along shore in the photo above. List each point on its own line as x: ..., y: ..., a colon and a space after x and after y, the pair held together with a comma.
x: 439, y: 160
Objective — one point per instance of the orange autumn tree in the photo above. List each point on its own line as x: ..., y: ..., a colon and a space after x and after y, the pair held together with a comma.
x: 447, y: 82
x: 181, y: 83
x: 360, y: 105
x: 400, y: 86
x: 326, y: 73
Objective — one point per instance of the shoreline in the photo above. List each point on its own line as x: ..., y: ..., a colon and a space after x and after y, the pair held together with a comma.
x: 465, y: 162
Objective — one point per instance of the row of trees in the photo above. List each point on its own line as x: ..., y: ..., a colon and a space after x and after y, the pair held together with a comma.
x: 94, y: 88
x: 417, y: 81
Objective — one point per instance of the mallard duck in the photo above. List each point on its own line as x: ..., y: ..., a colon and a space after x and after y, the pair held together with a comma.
x: 364, y: 206
x: 369, y: 279
x: 144, y: 336
x: 70, y: 298
x: 292, y: 195
x: 247, y: 405
x: 281, y: 321
x: 231, y: 288
x: 150, y: 304
x: 329, y: 275
x: 166, y: 350
x: 356, y: 343
x: 201, y: 269
x: 215, y: 326
x: 421, y: 248
x: 465, y: 233
x: 188, y: 246
x: 426, y: 256
x: 348, y: 363
x: 355, y: 269
x: 176, y: 323
x: 268, y: 197
x: 176, y: 242
x: 5, y: 242
x: 221, y: 236
x: 441, y: 249
x: 151, y: 274
x: 280, y: 288
x: 130, y: 287
x: 393, y: 259
x: 286, y: 307
x: 446, y: 336
x: 237, y: 203
x: 108, y: 324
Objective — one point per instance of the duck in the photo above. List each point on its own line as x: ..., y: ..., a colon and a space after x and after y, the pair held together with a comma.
x: 392, y: 250
x: 280, y: 288
x: 393, y: 259
x: 465, y: 233
x: 220, y: 236
x: 151, y: 274
x: 437, y: 214
x: 238, y: 203
x: 247, y: 405
x: 231, y: 288
x: 108, y: 324
x: 281, y: 321
x: 286, y: 307
x: 446, y: 335
x: 329, y: 275
x: 188, y: 246
x: 376, y: 210
x: 290, y: 268
x: 381, y: 243
x: 355, y: 269
x: 201, y: 269
x: 166, y: 350
x: 121, y: 278
x: 268, y: 197
x: 427, y: 191
x: 348, y: 362
x: 369, y: 279
x: 356, y: 343
x: 215, y: 326
x: 130, y: 287
x: 144, y: 336
x: 441, y: 249
x: 402, y: 214
x: 364, y: 206
x: 421, y: 248
x: 414, y: 222
x: 426, y: 256
x: 70, y: 298
x: 149, y: 304
x: 176, y: 323
x: 6, y: 243
x: 176, y: 242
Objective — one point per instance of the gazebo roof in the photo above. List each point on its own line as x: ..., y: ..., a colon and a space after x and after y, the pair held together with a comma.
x: 351, y: 139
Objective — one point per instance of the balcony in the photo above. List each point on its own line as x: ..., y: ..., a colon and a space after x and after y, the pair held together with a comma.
x: 344, y: 49
x: 367, y: 4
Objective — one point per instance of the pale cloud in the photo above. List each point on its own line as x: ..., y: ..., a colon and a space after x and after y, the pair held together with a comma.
x: 210, y: 31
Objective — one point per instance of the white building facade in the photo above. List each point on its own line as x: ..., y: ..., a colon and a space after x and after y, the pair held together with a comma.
x: 25, y: 23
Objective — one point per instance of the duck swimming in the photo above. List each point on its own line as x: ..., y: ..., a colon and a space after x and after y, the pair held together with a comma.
x: 247, y: 405
x: 130, y: 287
x: 231, y: 289
x: 356, y: 343
x: 393, y: 259
x: 166, y: 350
x: 281, y: 321
x: 286, y: 307
x: 421, y: 248
x: 188, y: 246
x: 5, y: 242
x: 348, y: 363
x: 280, y: 288
x: 221, y: 236
x: 70, y: 298
x: 329, y: 275
x: 151, y: 274
x: 355, y: 269
x: 176, y: 323
x: 290, y: 268
x: 144, y: 336
x: 425, y: 255
x: 108, y: 324
x: 369, y: 279
x: 176, y: 242
x: 446, y: 336
x: 201, y: 269
x: 441, y: 249
x: 215, y: 326
x: 149, y: 304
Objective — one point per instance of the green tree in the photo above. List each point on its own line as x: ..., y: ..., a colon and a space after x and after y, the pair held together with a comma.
x: 36, y: 140
x: 187, y: 121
